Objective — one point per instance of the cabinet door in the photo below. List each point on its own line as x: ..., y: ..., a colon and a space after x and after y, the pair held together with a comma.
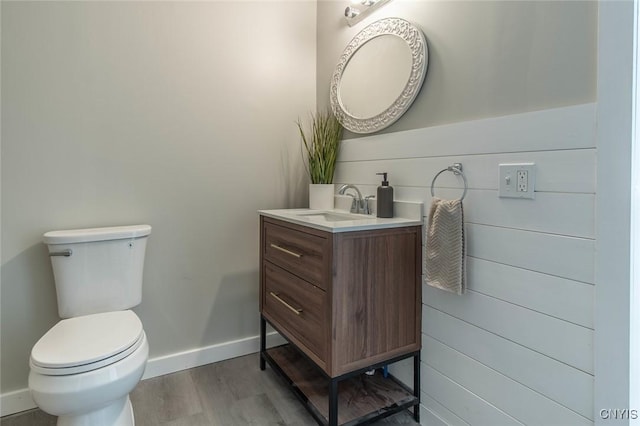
x: 376, y: 297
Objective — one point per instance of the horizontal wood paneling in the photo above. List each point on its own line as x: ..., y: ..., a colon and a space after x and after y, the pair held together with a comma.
x: 560, y: 340
x: 550, y: 212
x: 556, y: 171
x: 473, y: 410
x: 523, y: 332
x: 437, y: 414
x: 558, y: 128
x: 567, y: 257
x: 520, y: 402
x: 559, y: 297
x: 566, y: 385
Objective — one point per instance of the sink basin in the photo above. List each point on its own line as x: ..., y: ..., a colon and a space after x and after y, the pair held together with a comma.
x: 332, y: 216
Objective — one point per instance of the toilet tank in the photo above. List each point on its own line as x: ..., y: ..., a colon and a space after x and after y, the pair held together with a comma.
x: 98, y: 269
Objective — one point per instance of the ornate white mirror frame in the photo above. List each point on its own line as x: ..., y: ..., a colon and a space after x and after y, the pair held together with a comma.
x: 417, y: 44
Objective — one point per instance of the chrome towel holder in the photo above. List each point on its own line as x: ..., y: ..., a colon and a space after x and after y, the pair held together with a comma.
x: 456, y: 169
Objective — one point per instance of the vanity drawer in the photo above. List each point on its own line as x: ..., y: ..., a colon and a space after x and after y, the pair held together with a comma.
x: 297, y: 307
x: 303, y: 254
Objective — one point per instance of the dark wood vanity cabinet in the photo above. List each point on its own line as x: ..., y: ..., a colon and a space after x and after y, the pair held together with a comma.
x: 347, y: 300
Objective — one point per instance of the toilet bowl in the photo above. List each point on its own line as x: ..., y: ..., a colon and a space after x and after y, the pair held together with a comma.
x: 84, y: 368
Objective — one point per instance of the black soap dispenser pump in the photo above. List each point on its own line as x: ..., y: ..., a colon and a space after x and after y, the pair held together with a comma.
x: 384, y: 198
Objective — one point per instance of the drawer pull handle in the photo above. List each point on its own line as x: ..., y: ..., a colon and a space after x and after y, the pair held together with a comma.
x: 291, y: 308
x: 284, y: 250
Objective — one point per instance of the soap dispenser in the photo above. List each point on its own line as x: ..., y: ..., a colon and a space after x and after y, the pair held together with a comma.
x: 384, y: 198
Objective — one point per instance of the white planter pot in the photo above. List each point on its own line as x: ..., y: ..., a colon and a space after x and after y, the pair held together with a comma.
x: 321, y: 196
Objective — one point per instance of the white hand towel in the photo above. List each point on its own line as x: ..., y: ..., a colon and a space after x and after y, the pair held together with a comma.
x: 445, y: 255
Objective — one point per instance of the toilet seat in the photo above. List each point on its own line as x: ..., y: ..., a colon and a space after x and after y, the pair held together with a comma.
x: 80, y: 344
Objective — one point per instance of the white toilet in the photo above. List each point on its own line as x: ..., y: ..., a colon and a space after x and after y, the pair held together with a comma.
x: 83, y: 369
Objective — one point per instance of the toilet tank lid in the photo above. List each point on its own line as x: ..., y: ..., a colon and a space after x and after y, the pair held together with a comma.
x: 96, y: 234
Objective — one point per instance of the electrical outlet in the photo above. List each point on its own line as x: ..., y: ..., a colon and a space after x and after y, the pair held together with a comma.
x: 517, y: 180
x: 523, y: 180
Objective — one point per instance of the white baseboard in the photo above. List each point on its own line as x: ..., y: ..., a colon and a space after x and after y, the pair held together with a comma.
x: 20, y: 400
x: 15, y: 402
x: 200, y: 356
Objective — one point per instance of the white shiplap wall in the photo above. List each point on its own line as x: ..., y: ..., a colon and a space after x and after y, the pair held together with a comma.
x: 517, y: 347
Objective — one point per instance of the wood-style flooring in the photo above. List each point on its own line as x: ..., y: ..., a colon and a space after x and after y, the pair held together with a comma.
x: 228, y: 393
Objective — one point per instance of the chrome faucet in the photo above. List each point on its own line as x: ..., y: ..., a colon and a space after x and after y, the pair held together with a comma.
x: 359, y: 204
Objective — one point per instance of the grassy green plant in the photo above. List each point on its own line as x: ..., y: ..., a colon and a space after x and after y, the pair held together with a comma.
x: 321, y: 146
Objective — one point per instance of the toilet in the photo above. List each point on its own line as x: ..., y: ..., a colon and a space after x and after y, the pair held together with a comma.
x: 85, y: 366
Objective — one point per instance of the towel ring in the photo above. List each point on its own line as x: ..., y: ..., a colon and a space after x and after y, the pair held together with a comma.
x: 456, y: 169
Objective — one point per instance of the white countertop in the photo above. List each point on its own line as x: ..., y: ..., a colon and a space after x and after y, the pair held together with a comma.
x: 343, y: 221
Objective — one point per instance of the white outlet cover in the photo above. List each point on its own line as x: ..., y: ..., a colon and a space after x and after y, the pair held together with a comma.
x: 508, y: 184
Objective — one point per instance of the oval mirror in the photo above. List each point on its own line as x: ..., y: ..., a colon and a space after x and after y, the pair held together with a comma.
x: 379, y: 75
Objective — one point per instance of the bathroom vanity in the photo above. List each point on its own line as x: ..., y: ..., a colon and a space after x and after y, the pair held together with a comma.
x: 345, y: 292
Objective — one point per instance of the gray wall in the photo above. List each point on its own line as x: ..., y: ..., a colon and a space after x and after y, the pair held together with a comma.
x: 486, y: 58
x: 176, y: 114
x: 507, y: 82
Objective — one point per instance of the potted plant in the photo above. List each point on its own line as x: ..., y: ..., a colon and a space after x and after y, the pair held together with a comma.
x: 320, y: 147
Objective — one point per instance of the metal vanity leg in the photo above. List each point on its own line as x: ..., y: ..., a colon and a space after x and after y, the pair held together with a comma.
x: 333, y: 403
x: 263, y: 341
x: 416, y: 386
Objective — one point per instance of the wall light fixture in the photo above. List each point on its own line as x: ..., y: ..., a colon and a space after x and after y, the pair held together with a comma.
x: 361, y: 9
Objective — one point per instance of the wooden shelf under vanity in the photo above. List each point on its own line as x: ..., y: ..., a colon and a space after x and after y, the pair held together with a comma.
x: 361, y: 398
